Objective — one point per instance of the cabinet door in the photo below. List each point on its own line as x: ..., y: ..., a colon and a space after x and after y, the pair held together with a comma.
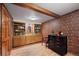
x: 28, y: 39
x: 0, y: 31
x: 6, y: 25
x: 5, y: 49
x: 38, y: 38
x: 6, y: 31
x: 19, y: 41
x: 16, y: 41
x: 33, y: 39
x: 23, y: 40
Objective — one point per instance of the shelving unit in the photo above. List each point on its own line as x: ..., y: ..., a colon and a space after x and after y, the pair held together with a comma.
x: 19, y: 28
x: 22, y: 37
x: 37, y: 28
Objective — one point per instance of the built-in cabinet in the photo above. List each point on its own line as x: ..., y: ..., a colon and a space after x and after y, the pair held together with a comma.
x: 25, y: 33
x: 26, y: 39
x: 6, y: 31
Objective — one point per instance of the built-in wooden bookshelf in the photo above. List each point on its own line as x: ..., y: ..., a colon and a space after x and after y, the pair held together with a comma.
x: 21, y: 35
x: 19, y: 28
x: 37, y: 28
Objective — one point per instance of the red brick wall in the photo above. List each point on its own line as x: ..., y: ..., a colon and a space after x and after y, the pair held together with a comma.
x: 69, y: 24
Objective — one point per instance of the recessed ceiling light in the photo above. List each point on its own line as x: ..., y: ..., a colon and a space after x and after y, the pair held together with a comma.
x: 33, y: 18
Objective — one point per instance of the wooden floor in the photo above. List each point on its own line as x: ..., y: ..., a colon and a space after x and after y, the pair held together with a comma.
x: 34, y: 50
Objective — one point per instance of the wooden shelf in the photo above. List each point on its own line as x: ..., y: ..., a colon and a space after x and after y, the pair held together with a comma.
x: 37, y: 28
x: 19, y: 28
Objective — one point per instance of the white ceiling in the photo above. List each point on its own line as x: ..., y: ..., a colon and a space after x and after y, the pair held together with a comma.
x: 22, y: 14
x: 60, y: 8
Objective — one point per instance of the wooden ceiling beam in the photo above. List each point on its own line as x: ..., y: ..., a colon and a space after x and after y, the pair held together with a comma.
x: 37, y: 8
